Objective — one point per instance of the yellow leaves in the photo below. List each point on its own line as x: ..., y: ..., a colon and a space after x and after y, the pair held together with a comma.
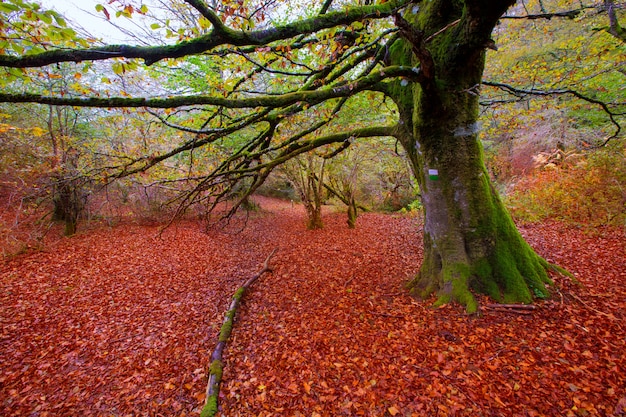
x: 204, y: 23
x: 393, y: 410
x: 37, y: 131
x: 5, y: 127
x: 118, y: 68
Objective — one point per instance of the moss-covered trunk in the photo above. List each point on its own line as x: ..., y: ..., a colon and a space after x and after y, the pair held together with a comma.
x: 470, y: 241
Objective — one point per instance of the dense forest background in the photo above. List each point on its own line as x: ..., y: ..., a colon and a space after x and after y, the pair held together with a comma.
x: 552, y: 105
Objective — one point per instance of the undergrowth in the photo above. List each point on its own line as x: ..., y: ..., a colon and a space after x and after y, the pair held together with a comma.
x: 590, y: 193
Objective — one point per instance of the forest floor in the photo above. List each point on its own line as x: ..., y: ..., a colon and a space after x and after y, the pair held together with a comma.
x: 121, y: 321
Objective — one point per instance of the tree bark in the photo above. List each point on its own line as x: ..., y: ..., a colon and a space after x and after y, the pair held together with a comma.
x: 470, y: 241
x: 352, y: 212
x: 216, y: 367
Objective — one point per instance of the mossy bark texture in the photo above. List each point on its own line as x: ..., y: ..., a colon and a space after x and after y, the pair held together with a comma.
x: 216, y: 367
x: 470, y: 241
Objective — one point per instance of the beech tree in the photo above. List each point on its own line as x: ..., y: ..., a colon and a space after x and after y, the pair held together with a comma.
x: 275, y: 88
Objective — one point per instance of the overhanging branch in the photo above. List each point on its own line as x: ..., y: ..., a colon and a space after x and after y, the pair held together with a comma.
x: 209, y: 14
x: 522, y: 93
x: 220, y: 35
x: 311, y: 97
x: 569, y: 14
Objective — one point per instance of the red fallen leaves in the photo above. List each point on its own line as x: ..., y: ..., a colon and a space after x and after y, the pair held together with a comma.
x: 122, y: 322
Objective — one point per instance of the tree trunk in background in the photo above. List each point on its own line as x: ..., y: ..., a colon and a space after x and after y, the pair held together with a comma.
x: 470, y: 241
x: 352, y: 212
x: 68, y: 201
x: 312, y: 201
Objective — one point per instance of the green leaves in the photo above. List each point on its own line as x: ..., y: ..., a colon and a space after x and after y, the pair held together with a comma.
x: 8, y: 7
x: 27, y: 29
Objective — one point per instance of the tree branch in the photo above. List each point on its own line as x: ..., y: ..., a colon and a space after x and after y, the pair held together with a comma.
x: 310, y: 97
x: 614, y: 27
x: 418, y: 46
x: 569, y: 14
x: 220, y: 35
x: 520, y: 92
x: 209, y: 14
x: 224, y: 178
x: 325, y: 6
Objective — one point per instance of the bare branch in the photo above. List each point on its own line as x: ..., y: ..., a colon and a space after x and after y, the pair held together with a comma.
x: 520, y: 92
x: 569, y: 14
x: 418, y: 46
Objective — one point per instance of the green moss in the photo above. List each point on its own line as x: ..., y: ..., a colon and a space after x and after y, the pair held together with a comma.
x: 455, y: 278
x: 216, y: 368
x: 239, y: 293
x: 227, y: 326
x: 442, y: 299
x: 210, y: 408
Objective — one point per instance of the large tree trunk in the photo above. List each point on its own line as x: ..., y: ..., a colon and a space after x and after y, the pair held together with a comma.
x: 470, y: 241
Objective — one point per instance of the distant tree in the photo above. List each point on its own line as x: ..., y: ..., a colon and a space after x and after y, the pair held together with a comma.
x: 280, y: 85
x: 306, y: 175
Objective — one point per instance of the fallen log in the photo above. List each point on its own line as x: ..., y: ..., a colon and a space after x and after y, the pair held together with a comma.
x: 216, y: 366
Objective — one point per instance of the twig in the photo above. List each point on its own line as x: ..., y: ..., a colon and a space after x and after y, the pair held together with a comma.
x: 510, y: 310
x: 393, y: 294
x: 345, y: 284
x: 588, y: 306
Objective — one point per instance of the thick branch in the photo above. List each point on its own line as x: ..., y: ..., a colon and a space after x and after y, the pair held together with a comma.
x: 220, y: 35
x: 614, y: 27
x: 311, y: 97
x: 416, y: 38
x: 209, y: 14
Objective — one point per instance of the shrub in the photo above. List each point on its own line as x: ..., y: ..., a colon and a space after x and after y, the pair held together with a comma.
x: 592, y: 192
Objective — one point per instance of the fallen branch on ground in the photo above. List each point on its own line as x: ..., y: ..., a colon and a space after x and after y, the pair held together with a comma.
x: 513, y: 306
x: 522, y: 309
x: 216, y: 367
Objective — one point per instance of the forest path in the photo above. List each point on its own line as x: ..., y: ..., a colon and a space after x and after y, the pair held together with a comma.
x: 122, y: 321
